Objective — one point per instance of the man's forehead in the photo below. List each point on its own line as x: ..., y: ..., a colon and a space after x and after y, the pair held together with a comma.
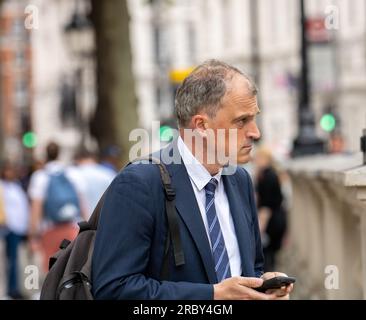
x: 241, y: 107
x: 242, y: 98
x: 250, y: 111
x: 239, y: 88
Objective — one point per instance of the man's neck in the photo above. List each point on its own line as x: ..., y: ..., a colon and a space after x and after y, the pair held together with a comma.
x: 213, y: 169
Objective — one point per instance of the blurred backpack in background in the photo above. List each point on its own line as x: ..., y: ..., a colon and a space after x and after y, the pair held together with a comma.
x: 61, y: 202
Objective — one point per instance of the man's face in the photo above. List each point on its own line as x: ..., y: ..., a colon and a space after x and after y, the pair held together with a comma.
x: 238, y: 112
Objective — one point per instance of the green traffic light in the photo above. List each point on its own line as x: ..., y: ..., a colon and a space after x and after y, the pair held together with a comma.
x: 166, y: 133
x: 29, y: 139
x: 328, y: 122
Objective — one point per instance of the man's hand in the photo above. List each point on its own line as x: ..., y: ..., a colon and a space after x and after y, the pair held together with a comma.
x: 240, y: 288
x: 282, y: 293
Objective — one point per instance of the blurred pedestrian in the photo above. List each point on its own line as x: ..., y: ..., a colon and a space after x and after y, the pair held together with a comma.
x: 2, y: 214
x: 95, y: 178
x: 56, y: 205
x: 272, y: 215
x: 16, y: 209
x: 336, y: 142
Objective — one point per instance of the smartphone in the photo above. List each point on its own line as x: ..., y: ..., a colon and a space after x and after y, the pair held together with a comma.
x: 275, y: 283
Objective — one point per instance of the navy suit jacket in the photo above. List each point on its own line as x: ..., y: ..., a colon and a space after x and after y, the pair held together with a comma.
x: 129, y: 246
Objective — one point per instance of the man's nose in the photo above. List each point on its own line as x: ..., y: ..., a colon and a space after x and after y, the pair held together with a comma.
x: 253, y: 132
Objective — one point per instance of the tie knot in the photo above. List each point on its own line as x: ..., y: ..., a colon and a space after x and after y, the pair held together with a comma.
x: 211, y: 185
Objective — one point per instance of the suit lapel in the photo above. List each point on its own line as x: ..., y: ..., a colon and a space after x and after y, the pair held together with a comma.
x: 241, y: 219
x: 187, y: 207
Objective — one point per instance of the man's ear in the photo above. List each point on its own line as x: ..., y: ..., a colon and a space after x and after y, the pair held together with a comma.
x: 199, y: 123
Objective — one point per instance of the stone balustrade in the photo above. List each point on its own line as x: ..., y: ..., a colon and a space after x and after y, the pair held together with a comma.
x: 326, y: 245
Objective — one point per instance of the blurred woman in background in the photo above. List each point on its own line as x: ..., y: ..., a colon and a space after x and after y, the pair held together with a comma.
x: 16, y: 209
x: 272, y: 215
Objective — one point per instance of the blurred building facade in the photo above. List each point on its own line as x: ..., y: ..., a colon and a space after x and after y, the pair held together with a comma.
x: 16, y: 80
x: 64, y: 85
x: 262, y: 37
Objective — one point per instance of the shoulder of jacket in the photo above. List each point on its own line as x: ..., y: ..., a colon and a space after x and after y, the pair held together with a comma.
x: 137, y: 171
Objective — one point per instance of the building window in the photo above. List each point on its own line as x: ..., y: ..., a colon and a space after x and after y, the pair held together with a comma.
x: 156, y: 44
x: 68, y: 108
x: 158, y: 97
x: 21, y: 93
x: 161, y: 45
x: 19, y: 59
x: 17, y: 27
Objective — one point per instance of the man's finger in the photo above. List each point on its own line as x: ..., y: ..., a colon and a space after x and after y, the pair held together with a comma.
x: 290, y: 288
x: 280, y: 274
x: 251, y: 282
x: 286, y: 297
x: 256, y: 295
x: 283, y: 291
x: 268, y: 275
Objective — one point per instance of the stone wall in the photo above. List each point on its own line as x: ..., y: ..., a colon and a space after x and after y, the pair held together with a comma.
x: 327, y: 227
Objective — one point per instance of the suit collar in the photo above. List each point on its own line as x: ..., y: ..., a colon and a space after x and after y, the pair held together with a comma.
x: 240, y: 213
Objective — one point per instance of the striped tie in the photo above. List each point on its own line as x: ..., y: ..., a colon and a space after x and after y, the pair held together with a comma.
x: 221, y: 259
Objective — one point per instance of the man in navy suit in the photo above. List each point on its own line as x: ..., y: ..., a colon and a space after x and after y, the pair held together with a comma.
x: 214, y: 201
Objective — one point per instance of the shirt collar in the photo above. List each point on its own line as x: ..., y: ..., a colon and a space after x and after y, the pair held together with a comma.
x: 196, y: 171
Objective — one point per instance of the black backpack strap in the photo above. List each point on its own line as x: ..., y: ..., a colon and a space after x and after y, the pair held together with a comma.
x: 164, y: 272
x: 173, y: 226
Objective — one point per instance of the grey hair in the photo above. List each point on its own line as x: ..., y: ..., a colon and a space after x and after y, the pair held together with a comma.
x: 204, y: 89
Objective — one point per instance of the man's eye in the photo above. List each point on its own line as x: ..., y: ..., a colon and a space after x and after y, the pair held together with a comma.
x: 243, y: 121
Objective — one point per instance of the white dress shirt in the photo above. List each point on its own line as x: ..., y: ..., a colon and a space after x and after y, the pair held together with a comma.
x: 199, y: 177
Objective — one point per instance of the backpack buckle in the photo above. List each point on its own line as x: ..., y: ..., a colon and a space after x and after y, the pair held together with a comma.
x: 169, y: 192
x: 83, y: 225
x: 64, y: 243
